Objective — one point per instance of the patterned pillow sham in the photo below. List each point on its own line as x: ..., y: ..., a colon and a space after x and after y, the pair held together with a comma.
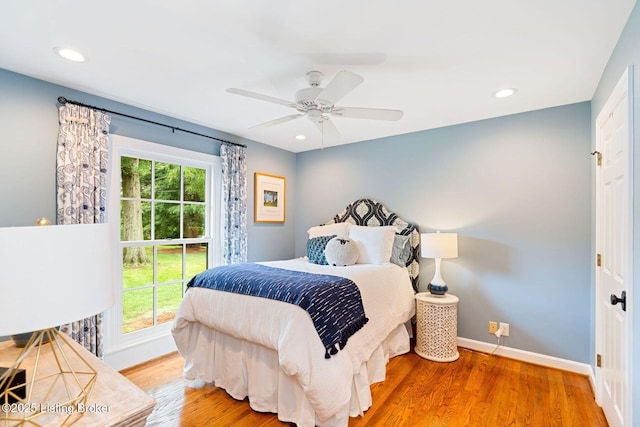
x: 401, y: 250
x: 315, y: 249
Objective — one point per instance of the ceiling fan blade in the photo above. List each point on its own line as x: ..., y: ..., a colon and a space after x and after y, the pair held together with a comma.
x: 341, y: 85
x: 277, y: 121
x: 367, y: 113
x: 327, y: 128
x: 261, y: 97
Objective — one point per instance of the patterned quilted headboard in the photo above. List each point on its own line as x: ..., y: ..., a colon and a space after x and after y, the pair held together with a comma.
x: 371, y: 213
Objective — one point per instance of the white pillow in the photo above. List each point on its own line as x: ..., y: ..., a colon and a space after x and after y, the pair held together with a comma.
x: 374, y: 243
x: 340, y: 229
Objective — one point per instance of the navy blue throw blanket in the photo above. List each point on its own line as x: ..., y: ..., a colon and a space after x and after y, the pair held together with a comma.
x: 334, y: 303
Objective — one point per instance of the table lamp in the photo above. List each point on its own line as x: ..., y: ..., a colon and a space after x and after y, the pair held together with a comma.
x: 50, y: 276
x: 437, y: 246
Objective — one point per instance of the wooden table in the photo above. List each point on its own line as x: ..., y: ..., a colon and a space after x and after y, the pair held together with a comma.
x: 113, y: 400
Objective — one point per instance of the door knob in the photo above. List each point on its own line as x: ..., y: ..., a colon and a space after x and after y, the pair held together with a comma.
x: 623, y: 300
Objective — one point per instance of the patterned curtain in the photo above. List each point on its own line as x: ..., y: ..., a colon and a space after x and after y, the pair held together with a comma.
x: 82, y: 187
x: 234, y: 205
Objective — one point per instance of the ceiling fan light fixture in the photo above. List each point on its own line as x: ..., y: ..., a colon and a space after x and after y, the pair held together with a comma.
x: 69, y: 54
x: 314, y: 78
x: 503, y: 93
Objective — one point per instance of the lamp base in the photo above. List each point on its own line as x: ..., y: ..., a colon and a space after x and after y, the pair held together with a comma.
x: 437, y: 289
x: 21, y: 340
x: 59, y: 381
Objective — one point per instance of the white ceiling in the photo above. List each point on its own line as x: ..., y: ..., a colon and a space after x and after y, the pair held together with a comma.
x: 439, y: 62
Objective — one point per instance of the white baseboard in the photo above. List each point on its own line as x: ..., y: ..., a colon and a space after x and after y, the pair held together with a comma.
x: 126, y: 357
x: 592, y: 381
x: 527, y: 356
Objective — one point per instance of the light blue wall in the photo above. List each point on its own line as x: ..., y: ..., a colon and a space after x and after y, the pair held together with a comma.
x: 28, y: 133
x: 627, y: 53
x: 517, y: 189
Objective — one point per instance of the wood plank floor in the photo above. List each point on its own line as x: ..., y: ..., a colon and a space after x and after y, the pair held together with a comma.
x: 476, y: 390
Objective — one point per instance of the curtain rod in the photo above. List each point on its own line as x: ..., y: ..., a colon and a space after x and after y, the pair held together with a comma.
x: 62, y: 100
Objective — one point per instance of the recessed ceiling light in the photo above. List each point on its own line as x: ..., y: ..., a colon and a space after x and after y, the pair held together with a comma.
x: 503, y: 93
x: 70, y: 54
x: 301, y: 137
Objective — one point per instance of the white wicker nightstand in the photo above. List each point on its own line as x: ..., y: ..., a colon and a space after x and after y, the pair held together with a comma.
x: 437, y: 327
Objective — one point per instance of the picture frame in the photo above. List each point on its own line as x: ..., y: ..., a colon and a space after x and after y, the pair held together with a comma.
x: 270, y: 198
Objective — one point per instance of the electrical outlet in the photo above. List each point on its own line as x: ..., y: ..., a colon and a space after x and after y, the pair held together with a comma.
x: 493, y: 327
x: 505, y: 329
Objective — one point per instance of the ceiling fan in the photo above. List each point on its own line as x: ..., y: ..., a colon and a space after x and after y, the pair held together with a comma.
x: 318, y: 103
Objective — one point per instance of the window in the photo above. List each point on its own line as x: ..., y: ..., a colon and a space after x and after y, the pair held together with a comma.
x: 166, y: 201
x: 162, y: 224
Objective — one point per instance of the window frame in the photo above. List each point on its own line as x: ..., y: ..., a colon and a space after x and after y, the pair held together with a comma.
x: 157, y: 338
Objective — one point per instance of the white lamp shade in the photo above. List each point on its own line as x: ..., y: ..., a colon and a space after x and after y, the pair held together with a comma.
x: 53, y: 275
x: 439, y: 245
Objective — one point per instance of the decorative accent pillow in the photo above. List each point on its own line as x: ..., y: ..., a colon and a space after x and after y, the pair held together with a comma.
x: 340, y: 229
x: 374, y: 243
x: 401, y: 250
x: 341, y: 252
x: 315, y: 249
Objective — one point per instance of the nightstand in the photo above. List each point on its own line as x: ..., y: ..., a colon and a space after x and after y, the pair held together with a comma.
x: 437, y: 327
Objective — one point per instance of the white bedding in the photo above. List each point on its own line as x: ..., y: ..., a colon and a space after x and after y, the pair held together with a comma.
x: 327, y: 384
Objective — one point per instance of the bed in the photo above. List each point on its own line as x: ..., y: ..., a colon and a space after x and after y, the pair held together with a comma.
x: 274, y: 353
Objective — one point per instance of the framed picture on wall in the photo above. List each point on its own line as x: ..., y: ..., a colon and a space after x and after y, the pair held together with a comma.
x: 270, y: 198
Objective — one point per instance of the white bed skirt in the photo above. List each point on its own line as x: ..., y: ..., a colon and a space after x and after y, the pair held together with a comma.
x: 259, y: 377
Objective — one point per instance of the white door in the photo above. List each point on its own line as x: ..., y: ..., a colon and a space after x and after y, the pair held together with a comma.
x: 613, y: 244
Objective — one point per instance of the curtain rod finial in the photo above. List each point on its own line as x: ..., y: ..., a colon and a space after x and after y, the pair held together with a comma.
x: 62, y: 100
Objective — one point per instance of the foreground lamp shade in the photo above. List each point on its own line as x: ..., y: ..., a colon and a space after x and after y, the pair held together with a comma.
x: 53, y: 275
x: 438, y: 246
x: 50, y: 276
